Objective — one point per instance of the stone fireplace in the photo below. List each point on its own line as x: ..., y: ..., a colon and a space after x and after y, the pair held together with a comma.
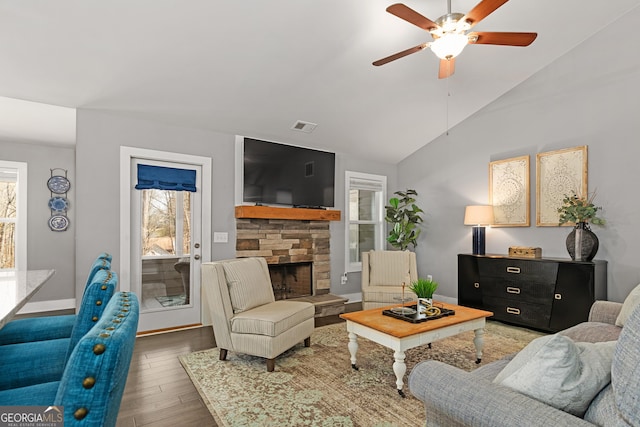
x: 296, y: 245
x: 286, y: 242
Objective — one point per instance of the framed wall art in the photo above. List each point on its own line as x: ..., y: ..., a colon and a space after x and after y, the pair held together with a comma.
x: 559, y: 173
x: 509, y: 191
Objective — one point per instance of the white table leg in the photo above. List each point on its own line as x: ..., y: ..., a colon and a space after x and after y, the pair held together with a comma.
x: 399, y: 368
x: 353, y: 349
x: 478, y: 341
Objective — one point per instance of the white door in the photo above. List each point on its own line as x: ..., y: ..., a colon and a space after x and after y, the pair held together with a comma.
x: 166, y: 247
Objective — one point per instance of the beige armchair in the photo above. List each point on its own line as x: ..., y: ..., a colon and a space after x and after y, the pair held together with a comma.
x: 383, y: 273
x: 245, y: 316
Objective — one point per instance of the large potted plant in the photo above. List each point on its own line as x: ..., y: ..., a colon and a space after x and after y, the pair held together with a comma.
x: 404, y: 216
x: 582, y: 243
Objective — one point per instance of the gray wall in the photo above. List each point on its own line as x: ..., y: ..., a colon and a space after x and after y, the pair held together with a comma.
x: 99, y: 138
x: 591, y: 96
x: 47, y: 249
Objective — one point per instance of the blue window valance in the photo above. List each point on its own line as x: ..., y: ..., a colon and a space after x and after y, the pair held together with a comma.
x: 163, y: 178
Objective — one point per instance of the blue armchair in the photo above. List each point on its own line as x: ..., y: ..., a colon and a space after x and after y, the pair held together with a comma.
x: 92, y: 384
x: 37, y: 362
x: 48, y: 327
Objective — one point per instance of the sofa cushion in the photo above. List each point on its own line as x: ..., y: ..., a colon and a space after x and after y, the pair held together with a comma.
x: 389, y: 268
x: 559, y: 372
x: 592, y: 332
x: 272, y: 319
x: 625, y: 370
x: 603, y: 411
x: 249, y: 284
x: 630, y: 303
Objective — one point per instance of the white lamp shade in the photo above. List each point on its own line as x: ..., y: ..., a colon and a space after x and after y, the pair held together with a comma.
x: 449, y: 45
x: 478, y: 215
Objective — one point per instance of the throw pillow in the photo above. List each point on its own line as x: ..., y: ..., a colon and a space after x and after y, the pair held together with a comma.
x: 563, y: 374
x: 630, y: 302
x: 388, y: 268
x: 249, y: 284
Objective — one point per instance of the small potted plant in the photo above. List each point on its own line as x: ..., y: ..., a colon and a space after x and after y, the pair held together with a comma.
x: 582, y: 243
x: 424, y: 289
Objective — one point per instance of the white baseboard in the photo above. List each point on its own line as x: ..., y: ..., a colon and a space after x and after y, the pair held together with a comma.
x: 355, y: 297
x: 44, y: 306
x: 448, y: 300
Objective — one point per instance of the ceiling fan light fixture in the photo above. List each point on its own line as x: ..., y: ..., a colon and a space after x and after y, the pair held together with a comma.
x: 449, y: 45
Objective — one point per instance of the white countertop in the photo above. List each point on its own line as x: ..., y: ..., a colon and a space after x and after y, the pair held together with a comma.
x: 16, y: 288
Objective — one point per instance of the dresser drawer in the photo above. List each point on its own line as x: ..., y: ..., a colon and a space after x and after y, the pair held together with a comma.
x: 519, y: 290
x: 517, y: 269
x: 519, y: 312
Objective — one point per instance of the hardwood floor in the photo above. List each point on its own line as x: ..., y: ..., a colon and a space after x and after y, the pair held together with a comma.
x: 159, y: 392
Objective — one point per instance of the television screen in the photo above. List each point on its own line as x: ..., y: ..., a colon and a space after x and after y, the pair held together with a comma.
x: 286, y: 175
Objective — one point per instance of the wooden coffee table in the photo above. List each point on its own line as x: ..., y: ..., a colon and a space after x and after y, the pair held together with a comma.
x: 400, y: 335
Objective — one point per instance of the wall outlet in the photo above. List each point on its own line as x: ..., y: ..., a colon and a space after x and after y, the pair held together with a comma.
x: 429, y: 277
x: 344, y: 279
x: 220, y: 237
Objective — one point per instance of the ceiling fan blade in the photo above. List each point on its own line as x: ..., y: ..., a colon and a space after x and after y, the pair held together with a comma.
x: 400, y: 54
x: 447, y: 68
x: 504, y: 39
x: 411, y: 16
x: 482, y: 10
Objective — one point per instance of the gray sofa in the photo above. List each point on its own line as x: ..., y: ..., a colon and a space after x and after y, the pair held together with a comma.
x: 453, y: 397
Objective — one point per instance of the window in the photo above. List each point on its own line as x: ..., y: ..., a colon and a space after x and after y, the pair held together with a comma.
x: 13, y: 216
x: 366, y: 195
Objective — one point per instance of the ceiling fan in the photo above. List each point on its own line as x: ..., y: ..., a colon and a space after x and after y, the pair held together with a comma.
x: 450, y: 34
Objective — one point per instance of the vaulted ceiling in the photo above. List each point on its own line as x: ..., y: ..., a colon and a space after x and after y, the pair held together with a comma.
x: 255, y: 67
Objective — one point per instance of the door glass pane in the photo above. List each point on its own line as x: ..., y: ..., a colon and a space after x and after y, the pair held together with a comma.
x: 166, y: 239
x: 361, y: 239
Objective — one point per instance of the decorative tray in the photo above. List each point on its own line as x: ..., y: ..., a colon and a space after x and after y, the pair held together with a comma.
x: 409, y: 313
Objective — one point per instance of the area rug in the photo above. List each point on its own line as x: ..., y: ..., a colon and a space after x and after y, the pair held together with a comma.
x: 316, y: 386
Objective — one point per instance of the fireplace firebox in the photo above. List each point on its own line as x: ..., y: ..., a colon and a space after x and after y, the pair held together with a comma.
x: 291, y: 280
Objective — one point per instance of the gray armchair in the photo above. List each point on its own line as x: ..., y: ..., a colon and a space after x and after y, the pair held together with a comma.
x: 245, y: 316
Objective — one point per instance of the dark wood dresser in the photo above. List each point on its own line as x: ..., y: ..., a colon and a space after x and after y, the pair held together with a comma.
x: 549, y: 294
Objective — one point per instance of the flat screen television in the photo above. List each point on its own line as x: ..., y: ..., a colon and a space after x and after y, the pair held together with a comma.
x: 279, y: 174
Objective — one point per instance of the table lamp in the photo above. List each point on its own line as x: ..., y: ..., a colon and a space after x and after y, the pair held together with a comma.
x: 478, y: 216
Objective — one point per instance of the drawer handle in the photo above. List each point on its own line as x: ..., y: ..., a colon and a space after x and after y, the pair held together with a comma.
x: 512, y: 310
x: 558, y: 296
x: 513, y: 270
x: 513, y: 290
x: 476, y: 285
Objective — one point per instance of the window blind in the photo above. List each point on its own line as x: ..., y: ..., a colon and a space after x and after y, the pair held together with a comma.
x: 356, y: 183
x: 163, y: 178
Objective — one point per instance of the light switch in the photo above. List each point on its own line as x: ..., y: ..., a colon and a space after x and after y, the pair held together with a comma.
x: 220, y: 237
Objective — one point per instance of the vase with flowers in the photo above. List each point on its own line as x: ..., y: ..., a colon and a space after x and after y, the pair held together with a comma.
x: 582, y: 243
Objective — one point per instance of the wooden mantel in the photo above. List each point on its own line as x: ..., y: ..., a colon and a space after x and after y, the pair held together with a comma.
x: 270, y: 212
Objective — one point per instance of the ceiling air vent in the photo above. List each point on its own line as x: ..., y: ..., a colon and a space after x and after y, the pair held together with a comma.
x: 304, y: 126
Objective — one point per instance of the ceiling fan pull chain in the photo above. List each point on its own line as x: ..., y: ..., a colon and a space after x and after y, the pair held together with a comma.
x: 448, y: 96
